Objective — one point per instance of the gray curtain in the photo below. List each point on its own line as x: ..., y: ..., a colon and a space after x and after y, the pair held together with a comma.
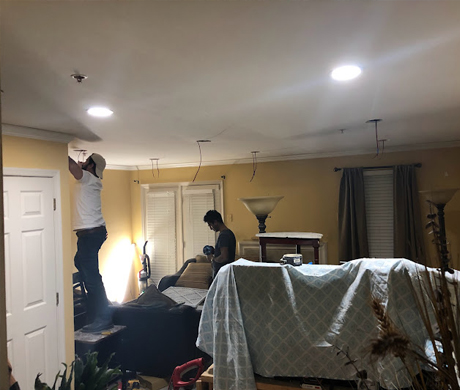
x: 408, y: 231
x: 352, y: 216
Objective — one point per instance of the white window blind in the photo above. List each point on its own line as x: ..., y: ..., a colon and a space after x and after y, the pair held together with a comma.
x: 378, y: 191
x: 161, y: 233
x: 196, y: 232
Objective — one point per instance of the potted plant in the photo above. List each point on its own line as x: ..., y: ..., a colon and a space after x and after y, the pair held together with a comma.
x: 88, y: 375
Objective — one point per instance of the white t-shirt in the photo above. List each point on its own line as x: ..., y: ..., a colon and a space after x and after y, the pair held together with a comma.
x: 88, y: 209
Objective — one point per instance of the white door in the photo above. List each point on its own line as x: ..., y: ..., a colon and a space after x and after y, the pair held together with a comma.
x: 30, y: 258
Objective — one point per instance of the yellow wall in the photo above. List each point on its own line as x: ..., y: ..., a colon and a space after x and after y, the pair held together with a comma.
x: 29, y: 153
x: 310, y: 189
x: 117, y: 253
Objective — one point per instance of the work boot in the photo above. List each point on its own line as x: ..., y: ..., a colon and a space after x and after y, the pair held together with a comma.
x: 98, y: 326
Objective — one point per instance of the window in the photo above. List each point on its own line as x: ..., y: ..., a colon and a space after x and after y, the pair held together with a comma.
x: 173, y: 223
x: 378, y: 192
x: 161, y: 232
x: 197, y: 234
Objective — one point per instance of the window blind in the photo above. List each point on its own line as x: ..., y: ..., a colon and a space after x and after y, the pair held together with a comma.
x: 196, y: 232
x: 161, y: 233
x: 378, y: 191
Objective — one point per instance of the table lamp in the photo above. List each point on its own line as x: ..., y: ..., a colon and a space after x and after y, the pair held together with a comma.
x: 261, y: 207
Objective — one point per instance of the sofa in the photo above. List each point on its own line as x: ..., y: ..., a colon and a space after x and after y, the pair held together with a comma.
x: 159, y: 334
x: 157, y: 340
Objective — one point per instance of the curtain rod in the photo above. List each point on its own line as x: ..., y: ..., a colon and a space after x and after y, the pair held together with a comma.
x: 416, y: 165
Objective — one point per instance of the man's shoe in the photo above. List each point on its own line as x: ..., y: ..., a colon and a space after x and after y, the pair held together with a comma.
x: 98, y: 326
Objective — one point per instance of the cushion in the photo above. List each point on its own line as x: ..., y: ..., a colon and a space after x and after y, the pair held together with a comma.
x: 152, y: 297
x: 202, y: 259
x: 196, y: 275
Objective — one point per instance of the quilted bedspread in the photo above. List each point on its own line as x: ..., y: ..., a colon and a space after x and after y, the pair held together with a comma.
x: 280, y: 320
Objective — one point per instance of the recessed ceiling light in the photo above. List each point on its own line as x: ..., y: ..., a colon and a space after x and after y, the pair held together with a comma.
x: 100, y: 112
x: 347, y: 72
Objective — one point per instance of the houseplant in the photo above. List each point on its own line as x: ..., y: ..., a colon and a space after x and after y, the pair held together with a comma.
x: 88, y: 375
x: 436, y: 295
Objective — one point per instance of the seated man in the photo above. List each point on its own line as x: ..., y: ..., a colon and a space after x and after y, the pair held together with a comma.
x: 224, y: 252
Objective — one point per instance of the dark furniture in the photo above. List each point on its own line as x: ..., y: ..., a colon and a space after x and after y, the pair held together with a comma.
x: 297, y: 239
x: 157, y: 338
x: 79, y: 302
x: 104, y: 344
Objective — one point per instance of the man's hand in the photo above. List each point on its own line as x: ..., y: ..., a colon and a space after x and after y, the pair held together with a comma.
x: 223, y: 257
x: 75, y: 169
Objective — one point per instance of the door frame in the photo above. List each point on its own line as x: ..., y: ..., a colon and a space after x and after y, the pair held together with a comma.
x: 57, y: 220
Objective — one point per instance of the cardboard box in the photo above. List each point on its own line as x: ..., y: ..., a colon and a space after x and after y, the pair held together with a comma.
x: 152, y: 383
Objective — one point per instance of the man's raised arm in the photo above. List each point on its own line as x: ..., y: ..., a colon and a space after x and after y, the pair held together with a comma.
x: 75, y: 169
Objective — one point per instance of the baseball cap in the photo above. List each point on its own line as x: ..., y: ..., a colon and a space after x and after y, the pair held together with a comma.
x: 100, y: 164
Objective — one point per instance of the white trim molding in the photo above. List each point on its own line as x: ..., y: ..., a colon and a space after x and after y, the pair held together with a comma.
x: 303, y: 156
x: 30, y: 132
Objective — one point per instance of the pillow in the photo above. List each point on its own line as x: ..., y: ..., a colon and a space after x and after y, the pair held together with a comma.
x: 202, y: 259
x: 196, y: 275
x: 153, y: 297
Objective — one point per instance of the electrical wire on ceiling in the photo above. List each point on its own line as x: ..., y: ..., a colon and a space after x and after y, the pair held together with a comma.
x: 138, y: 181
x: 254, y: 164
x: 158, y: 169
x: 80, y: 151
x: 201, y: 156
x: 379, y: 143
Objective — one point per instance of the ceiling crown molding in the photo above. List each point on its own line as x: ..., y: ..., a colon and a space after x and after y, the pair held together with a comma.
x: 304, y: 156
x: 30, y: 132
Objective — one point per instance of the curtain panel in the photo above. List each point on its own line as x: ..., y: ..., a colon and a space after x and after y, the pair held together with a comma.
x: 408, y: 232
x: 352, y: 216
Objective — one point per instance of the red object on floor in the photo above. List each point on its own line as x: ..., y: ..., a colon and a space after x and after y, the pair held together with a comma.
x: 177, y: 378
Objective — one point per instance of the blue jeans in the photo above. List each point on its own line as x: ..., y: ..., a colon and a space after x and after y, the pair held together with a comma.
x: 87, y: 262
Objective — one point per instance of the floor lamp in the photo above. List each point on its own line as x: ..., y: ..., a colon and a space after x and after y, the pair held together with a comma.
x: 261, y: 206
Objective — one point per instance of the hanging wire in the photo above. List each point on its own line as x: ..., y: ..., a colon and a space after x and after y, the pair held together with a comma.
x: 199, y: 165
x: 158, y: 169
x: 80, y: 151
x: 378, y: 141
x: 254, y: 164
x: 201, y: 156
x: 376, y: 138
x: 153, y: 174
x: 138, y: 178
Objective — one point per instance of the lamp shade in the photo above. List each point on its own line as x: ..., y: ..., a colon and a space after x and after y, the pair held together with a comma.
x: 439, y: 196
x: 262, y: 205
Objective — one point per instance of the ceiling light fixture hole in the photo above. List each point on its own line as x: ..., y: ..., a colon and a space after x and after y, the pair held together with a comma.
x: 79, y: 77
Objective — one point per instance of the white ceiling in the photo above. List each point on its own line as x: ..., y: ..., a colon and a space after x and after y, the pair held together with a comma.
x: 248, y: 75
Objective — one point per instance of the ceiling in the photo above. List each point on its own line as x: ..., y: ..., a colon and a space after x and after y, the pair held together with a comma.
x: 247, y: 75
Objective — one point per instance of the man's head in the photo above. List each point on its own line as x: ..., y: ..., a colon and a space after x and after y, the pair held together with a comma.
x: 214, y: 220
x: 94, y: 164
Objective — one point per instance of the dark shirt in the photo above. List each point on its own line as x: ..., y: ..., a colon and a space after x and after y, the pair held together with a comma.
x: 226, y: 239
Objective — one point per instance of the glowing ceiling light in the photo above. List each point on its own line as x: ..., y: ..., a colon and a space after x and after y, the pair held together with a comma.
x: 347, y: 72
x: 101, y: 112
